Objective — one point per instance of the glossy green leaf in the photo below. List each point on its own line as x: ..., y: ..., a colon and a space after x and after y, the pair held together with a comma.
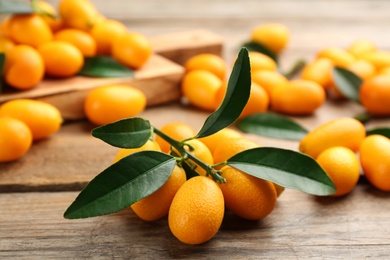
x: 284, y: 167
x: 122, y: 184
x: 104, y: 67
x: 379, y: 131
x: 236, y: 97
x: 125, y: 133
x: 347, y: 82
x: 272, y: 125
x: 2, y: 63
x: 15, y: 7
x: 258, y: 47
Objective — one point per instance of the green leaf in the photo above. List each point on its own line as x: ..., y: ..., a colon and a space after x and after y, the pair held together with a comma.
x: 125, y: 133
x: 347, y: 82
x: 122, y: 184
x: 272, y: 125
x: 15, y: 7
x: 258, y: 47
x: 379, y: 131
x: 2, y: 63
x: 104, y: 67
x: 284, y: 167
x: 363, y: 117
x: 237, y: 95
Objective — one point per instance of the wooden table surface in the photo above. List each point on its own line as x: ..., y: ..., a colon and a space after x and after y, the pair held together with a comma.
x: 302, y: 226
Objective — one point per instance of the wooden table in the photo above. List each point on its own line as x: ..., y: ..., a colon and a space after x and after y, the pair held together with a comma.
x: 302, y: 226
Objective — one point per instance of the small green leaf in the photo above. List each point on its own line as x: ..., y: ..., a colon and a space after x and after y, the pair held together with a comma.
x: 272, y: 125
x: 127, y: 181
x: 258, y: 47
x: 347, y: 82
x: 2, y: 63
x: 295, y: 69
x: 125, y: 133
x: 363, y: 117
x: 104, y: 67
x: 237, y: 95
x: 379, y: 131
x: 15, y: 7
x: 284, y: 167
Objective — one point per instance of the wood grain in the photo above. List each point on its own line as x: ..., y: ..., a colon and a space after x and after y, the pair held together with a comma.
x: 300, y: 227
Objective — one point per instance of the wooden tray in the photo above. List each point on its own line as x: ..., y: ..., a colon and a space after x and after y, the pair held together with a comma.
x: 159, y: 79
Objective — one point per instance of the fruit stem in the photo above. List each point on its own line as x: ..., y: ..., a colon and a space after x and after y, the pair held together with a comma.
x: 188, y: 155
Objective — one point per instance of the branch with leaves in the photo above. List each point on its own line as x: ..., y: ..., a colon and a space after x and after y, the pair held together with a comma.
x: 140, y: 174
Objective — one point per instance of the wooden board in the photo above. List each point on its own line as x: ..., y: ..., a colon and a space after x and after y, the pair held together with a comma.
x: 300, y: 227
x: 180, y: 46
x: 159, y: 78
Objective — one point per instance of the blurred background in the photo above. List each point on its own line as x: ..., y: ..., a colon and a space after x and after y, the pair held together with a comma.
x: 313, y: 24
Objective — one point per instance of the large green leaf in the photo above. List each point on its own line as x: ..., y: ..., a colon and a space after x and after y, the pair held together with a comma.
x: 272, y: 125
x: 125, y: 133
x: 122, y: 184
x: 379, y: 131
x: 347, y: 82
x: 15, y: 7
x: 258, y: 47
x: 104, y: 67
x: 284, y: 167
x: 2, y: 63
x: 237, y: 95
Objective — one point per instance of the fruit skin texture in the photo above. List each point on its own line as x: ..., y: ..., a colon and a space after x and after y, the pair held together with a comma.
x: 197, y: 211
x: 375, y: 95
x: 268, y: 80
x: 42, y: 118
x: 15, y: 139
x: 200, y: 88
x: 375, y: 161
x: 260, y: 61
x: 230, y: 147
x: 380, y: 59
x: 110, y: 103
x: 224, y: 134
x: 273, y: 36
x: 298, y: 97
x: 5, y: 44
x: 149, y: 145
x: 342, y: 166
x: 247, y: 196
x: 207, y: 61
x: 131, y: 49
x: 61, y: 59
x: 29, y: 29
x: 78, y: 14
x: 177, y: 130
x: 361, y: 47
x: 339, y: 57
x: 346, y: 132
x: 80, y: 39
x: 105, y: 32
x: 156, y: 205
x: 319, y: 71
x: 24, y: 67
x: 257, y: 103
